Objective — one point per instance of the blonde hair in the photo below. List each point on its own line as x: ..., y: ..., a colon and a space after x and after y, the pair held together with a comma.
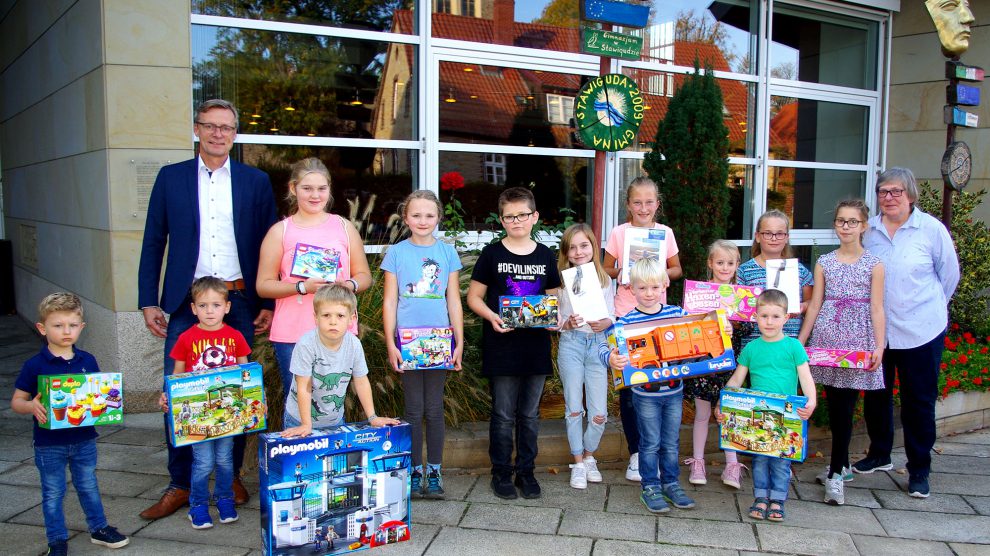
x: 756, y: 249
x: 647, y: 271
x: 643, y: 181
x: 300, y: 170
x: 725, y: 246
x: 207, y: 283
x: 424, y: 194
x: 59, y: 302
x: 565, y: 245
x: 335, y: 294
x: 772, y: 297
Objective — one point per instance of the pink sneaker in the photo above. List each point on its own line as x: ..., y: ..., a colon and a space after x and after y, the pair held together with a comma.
x: 697, y: 471
x: 732, y: 473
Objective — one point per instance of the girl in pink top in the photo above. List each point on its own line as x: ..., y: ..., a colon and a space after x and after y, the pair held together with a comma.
x: 309, y: 223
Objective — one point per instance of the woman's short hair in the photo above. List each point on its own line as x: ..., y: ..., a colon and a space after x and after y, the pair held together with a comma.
x: 903, y: 176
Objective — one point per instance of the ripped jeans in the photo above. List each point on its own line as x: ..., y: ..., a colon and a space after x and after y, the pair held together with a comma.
x: 585, y: 381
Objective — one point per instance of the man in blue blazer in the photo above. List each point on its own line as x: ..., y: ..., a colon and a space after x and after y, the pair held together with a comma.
x: 212, y: 213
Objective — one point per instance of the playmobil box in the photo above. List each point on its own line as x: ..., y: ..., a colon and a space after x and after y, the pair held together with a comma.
x: 82, y: 400
x: 528, y: 311
x: 675, y: 348
x: 310, y: 261
x: 763, y: 424
x: 843, y: 358
x: 426, y: 348
x: 738, y: 302
x: 335, y: 491
x: 206, y: 405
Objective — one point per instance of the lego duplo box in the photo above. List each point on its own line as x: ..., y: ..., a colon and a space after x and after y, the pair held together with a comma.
x: 426, y: 348
x: 738, y: 302
x: 528, y: 311
x: 842, y: 358
x: 335, y: 491
x: 676, y: 348
x: 82, y: 400
x: 763, y: 424
x: 206, y: 405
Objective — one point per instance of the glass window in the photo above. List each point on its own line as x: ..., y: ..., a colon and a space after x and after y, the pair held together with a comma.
x: 495, y: 169
x: 560, y: 109
x: 542, y: 24
x: 818, y: 131
x: 809, y: 195
x: 820, y: 47
x: 296, y: 84
x: 370, y: 15
x: 558, y: 183
x: 504, y: 106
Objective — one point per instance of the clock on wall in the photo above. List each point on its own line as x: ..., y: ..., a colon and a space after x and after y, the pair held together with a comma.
x: 957, y: 165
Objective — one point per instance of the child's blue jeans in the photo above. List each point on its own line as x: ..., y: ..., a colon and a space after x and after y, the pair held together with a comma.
x: 214, y: 454
x: 585, y: 382
x: 771, y: 477
x: 51, y: 462
x: 659, y: 420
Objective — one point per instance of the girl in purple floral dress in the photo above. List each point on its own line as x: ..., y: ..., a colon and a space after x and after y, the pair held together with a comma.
x: 846, y: 312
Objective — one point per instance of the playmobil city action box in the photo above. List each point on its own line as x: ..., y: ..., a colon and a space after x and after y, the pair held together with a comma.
x: 672, y: 349
x: 738, y: 302
x: 336, y: 491
x: 206, y: 405
x: 528, y: 311
x: 82, y: 400
x: 426, y: 348
x: 763, y: 424
x: 841, y: 358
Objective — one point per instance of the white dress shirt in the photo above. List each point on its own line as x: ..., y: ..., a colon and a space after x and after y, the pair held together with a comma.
x: 217, y: 245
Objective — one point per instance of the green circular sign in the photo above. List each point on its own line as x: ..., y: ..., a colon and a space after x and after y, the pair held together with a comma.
x: 608, y: 111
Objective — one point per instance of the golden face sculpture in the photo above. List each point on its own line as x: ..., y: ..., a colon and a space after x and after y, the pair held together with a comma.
x: 952, y: 20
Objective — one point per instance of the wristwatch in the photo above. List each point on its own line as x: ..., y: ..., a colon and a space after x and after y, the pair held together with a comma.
x: 301, y: 287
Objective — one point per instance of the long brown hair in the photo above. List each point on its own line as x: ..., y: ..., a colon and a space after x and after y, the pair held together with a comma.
x: 756, y: 249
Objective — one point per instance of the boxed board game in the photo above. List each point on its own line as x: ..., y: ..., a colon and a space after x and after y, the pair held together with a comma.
x: 82, y: 400
x: 738, y: 302
x: 672, y: 349
x: 335, y: 491
x: 763, y: 424
x: 528, y: 311
x: 842, y: 358
x: 213, y: 404
x: 426, y: 348
x: 311, y: 261
x: 642, y: 243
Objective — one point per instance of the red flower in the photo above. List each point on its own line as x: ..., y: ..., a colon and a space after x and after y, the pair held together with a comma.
x: 969, y: 352
x: 955, y: 326
x: 895, y: 391
x: 978, y: 380
x: 954, y: 362
x: 984, y: 371
x: 943, y: 366
x: 965, y: 374
x: 971, y: 340
x: 967, y: 335
x: 451, y: 181
x: 945, y: 391
x: 984, y: 349
x: 963, y: 359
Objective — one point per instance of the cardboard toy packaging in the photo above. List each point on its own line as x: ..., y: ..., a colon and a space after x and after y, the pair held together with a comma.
x: 426, y: 348
x: 311, y: 261
x: 842, y: 358
x: 335, y: 491
x: 82, y: 400
x: 213, y: 404
x: 738, y: 302
x: 763, y: 424
x: 672, y: 349
x: 528, y: 311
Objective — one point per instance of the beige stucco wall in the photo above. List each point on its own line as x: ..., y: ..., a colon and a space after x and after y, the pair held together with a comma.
x: 917, y: 95
x: 91, y: 90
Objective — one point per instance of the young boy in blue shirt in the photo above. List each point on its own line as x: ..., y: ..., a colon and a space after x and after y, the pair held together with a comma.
x: 657, y: 405
x: 60, y: 318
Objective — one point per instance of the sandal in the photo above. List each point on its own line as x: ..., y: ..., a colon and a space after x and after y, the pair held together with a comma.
x: 756, y: 512
x: 776, y: 514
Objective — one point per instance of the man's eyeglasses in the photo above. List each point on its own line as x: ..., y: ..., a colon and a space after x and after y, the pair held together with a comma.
x: 895, y: 193
x: 773, y: 235
x: 843, y: 223
x: 507, y: 218
x: 211, y: 128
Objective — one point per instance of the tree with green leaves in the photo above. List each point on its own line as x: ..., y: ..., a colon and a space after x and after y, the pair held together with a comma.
x: 690, y: 165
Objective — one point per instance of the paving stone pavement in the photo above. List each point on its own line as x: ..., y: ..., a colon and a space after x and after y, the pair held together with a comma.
x: 606, y: 519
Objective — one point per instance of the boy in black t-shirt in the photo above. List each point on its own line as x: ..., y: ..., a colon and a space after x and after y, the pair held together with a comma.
x: 516, y: 362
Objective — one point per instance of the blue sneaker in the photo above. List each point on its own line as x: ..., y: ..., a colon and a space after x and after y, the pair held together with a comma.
x: 109, y: 537
x: 60, y: 548
x: 434, y: 485
x: 416, y: 484
x: 676, y: 496
x: 200, y: 517
x: 228, y: 514
x: 652, y: 498
x: 918, y: 486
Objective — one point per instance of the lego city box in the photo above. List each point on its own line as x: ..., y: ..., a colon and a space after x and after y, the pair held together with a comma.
x: 763, y: 424
x: 311, y: 261
x: 206, y: 405
x: 82, y: 400
x: 841, y: 358
x: 675, y: 348
x: 528, y: 311
x: 335, y: 491
x: 426, y: 348
x: 738, y: 302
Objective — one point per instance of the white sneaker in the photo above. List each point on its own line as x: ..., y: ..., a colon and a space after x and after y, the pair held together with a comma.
x: 591, y: 468
x: 835, y: 491
x: 822, y: 478
x: 632, y: 472
x: 579, y: 476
